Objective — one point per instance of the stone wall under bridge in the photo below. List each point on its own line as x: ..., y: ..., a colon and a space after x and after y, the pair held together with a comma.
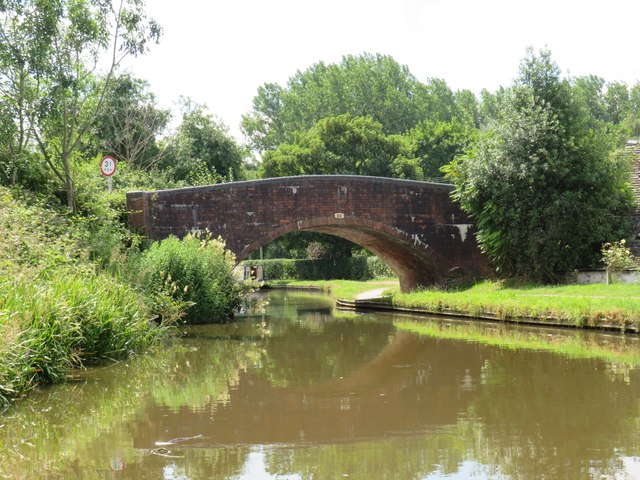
x: 412, y: 226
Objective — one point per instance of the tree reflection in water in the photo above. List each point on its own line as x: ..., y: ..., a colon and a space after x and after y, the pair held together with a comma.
x: 297, y: 393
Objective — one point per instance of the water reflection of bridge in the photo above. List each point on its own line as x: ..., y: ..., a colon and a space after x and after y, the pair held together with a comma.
x: 403, y: 390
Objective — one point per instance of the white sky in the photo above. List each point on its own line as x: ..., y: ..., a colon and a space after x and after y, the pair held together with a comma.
x: 220, y: 52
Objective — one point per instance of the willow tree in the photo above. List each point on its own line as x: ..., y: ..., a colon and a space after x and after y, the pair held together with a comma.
x: 49, y: 53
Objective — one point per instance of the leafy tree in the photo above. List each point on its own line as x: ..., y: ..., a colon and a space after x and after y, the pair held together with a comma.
x: 129, y: 124
x: 201, y: 150
x: 632, y: 122
x: 612, y: 105
x: 491, y: 106
x: 437, y: 143
x: 49, y: 50
x: 590, y: 88
x: 467, y: 108
x: 617, y: 102
x: 365, y: 85
x: 344, y: 145
x: 541, y: 185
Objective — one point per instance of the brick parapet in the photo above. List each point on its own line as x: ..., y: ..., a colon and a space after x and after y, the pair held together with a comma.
x: 413, y: 226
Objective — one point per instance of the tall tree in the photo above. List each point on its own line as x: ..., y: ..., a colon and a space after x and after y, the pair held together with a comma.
x: 344, y: 145
x: 50, y: 50
x: 590, y: 88
x: 202, y: 150
x: 130, y: 124
x: 364, y: 85
x: 491, y: 107
x: 541, y: 185
x: 437, y: 143
x: 617, y: 102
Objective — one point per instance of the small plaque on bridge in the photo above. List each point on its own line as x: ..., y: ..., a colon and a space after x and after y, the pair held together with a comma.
x: 339, y: 215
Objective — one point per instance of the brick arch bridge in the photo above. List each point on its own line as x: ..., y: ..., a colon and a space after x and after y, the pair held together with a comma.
x: 412, y: 226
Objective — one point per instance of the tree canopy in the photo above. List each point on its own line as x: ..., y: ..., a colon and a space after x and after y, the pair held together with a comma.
x: 201, y: 150
x: 49, y: 50
x: 364, y: 85
x: 130, y: 124
x: 344, y: 145
x: 541, y: 184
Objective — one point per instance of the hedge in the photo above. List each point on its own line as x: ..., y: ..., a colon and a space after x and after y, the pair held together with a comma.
x: 353, y: 268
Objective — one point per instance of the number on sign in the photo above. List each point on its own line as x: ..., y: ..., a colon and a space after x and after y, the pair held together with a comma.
x: 108, y: 166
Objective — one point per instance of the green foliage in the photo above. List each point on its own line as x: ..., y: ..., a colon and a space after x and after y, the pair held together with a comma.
x: 48, y: 53
x: 437, y: 143
x: 542, y: 186
x: 364, y: 85
x: 201, y: 151
x: 614, y: 105
x: 351, y: 268
x: 57, y: 311
x: 128, y: 125
x: 491, y: 106
x: 617, y: 256
x: 73, y: 318
x: 344, y: 145
x: 195, y: 271
x: 378, y: 269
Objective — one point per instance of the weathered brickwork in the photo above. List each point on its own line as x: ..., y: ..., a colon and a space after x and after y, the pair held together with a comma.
x: 413, y: 226
x: 633, y: 146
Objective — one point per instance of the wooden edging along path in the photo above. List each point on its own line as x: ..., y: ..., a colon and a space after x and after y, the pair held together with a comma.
x: 380, y: 305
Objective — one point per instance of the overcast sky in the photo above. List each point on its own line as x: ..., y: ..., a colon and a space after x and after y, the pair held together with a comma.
x: 220, y: 52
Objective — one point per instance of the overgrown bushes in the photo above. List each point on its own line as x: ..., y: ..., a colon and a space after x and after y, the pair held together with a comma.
x: 196, y: 272
x: 58, y: 310
x: 353, y: 268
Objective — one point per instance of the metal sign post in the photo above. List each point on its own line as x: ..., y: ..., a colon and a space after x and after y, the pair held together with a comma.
x: 108, y: 168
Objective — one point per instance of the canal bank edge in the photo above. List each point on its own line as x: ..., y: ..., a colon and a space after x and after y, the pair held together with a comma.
x: 374, y: 300
x: 382, y: 304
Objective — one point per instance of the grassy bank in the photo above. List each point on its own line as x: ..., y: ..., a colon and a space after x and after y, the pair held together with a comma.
x: 347, y: 289
x: 58, y: 309
x: 580, y: 305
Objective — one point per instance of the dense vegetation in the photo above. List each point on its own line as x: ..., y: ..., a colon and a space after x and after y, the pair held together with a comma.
x: 76, y: 287
x: 537, y: 164
x: 541, y: 184
x: 354, y: 268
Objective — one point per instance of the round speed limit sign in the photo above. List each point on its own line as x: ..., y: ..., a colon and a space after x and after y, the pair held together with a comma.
x: 108, y: 166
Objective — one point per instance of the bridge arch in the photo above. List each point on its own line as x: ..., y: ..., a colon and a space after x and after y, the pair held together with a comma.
x: 393, y: 246
x: 412, y: 226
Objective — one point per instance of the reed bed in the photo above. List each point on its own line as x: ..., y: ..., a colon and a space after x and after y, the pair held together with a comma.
x: 58, y: 311
x: 48, y: 327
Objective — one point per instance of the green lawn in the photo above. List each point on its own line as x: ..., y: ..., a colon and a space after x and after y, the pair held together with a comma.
x: 344, y: 289
x: 581, y: 305
x: 617, y: 304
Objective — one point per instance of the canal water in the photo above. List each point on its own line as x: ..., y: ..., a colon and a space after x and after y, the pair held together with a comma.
x: 299, y: 391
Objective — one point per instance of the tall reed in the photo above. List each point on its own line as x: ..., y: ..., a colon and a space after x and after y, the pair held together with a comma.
x: 73, y: 318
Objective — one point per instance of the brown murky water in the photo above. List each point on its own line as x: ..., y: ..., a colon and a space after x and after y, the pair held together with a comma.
x: 302, y: 393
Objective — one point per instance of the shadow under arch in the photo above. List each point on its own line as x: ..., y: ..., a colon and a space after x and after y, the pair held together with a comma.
x: 414, y: 264
x: 413, y: 226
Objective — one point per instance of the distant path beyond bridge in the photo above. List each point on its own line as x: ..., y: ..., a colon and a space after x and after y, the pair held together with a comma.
x: 412, y: 226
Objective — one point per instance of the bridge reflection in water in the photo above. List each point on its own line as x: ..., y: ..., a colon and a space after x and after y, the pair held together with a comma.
x: 299, y: 393
x: 421, y: 405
